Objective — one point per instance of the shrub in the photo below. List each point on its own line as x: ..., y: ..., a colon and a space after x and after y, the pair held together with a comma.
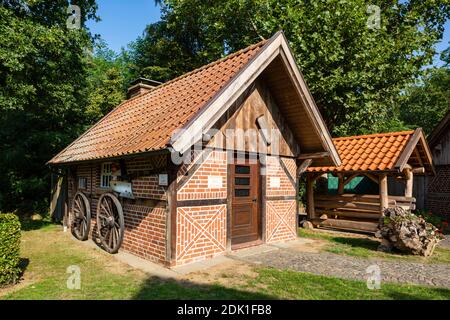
x: 439, y: 222
x: 9, y: 248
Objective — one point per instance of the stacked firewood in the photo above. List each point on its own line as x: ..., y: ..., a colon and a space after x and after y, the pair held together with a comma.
x: 407, y: 232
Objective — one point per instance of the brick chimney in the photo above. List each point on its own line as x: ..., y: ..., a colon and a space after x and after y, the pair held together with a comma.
x: 140, y: 86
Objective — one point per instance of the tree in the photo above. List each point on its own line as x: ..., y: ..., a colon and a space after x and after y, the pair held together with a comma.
x: 427, y: 101
x: 43, y: 72
x: 108, y: 79
x: 354, y: 67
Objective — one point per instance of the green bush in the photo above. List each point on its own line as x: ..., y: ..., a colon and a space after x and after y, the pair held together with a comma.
x: 439, y: 222
x: 9, y: 248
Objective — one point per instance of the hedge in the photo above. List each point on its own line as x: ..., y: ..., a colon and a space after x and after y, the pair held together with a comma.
x: 9, y: 248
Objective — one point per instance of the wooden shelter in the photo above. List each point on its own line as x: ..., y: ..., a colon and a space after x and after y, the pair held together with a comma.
x: 399, y: 155
x: 161, y: 176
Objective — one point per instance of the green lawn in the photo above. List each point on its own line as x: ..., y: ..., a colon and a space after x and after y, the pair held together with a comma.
x: 366, y: 247
x: 49, y: 252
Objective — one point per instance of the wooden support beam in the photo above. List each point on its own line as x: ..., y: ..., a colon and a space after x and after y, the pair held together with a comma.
x: 302, y: 168
x: 310, y: 197
x: 409, y: 180
x: 384, y: 196
x: 372, y: 177
x: 341, y: 183
x: 420, y: 170
x: 316, y: 155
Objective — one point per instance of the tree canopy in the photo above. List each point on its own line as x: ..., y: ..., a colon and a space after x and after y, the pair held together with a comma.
x: 354, y: 67
x: 43, y: 77
x: 426, y: 102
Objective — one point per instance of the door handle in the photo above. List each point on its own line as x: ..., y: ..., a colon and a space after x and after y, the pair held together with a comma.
x: 254, y: 200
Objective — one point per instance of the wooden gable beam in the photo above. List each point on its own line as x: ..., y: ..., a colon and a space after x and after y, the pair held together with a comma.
x: 316, y: 155
x: 277, y: 46
x: 412, y: 144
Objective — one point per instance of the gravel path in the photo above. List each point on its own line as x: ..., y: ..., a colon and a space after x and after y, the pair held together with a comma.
x: 353, y: 267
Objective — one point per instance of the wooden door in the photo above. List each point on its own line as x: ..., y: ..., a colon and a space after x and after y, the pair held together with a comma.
x: 246, y: 215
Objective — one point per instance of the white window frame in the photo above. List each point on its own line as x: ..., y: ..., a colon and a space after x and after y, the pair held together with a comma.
x: 106, y: 175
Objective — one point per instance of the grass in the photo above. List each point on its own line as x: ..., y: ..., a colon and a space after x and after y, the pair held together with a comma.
x: 366, y: 247
x: 49, y: 252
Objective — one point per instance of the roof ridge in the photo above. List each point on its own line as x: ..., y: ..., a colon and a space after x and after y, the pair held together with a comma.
x: 189, y: 73
x: 396, y: 133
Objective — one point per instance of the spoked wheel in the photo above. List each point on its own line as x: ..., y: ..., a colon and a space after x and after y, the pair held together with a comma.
x: 81, y: 217
x: 110, y: 222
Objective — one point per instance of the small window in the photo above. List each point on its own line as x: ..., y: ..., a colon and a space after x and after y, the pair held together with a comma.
x: 242, y: 181
x: 106, y: 175
x: 241, y: 192
x: 242, y: 170
x: 82, y: 183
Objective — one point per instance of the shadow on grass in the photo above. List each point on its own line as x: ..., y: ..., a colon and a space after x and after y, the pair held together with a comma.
x: 158, y: 288
x: 29, y: 225
x: 436, y: 294
x: 357, y: 242
x: 23, y: 265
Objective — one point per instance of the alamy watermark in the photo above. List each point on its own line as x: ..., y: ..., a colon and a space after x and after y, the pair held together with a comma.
x: 374, y: 278
x: 249, y: 145
x: 74, y: 280
x: 74, y: 19
x: 374, y: 19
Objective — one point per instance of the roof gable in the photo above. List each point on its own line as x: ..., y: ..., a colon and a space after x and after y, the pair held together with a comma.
x: 192, y: 102
x: 276, y: 48
x: 381, y: 152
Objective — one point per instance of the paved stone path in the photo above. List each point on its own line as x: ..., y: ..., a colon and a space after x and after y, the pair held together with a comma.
x: 348, y: 267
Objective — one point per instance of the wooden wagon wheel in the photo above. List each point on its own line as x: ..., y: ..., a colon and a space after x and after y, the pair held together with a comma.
x: 110, y: 222
x: 81, y: 217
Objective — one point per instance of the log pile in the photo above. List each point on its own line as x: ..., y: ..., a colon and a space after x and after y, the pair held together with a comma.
x: 407, y: 232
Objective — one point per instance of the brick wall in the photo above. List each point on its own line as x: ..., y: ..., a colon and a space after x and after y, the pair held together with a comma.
x: 438, y: 197
x: 281, y: 206
x: 214, y: 166
x: 201, y: 230
x: 145, y: 231
x: 201, y: 233
x: 280, y: 220
x: 276, y: 173
x: 145, y: 224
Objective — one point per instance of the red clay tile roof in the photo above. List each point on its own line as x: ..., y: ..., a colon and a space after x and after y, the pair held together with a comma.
x: 373, y: 152
x: 146, y: 122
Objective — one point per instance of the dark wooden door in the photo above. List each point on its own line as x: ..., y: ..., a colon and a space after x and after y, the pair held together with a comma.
x: 246, y: 215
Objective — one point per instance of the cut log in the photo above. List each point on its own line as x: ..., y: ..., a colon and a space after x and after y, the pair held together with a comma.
x: 366, y: 198
x: 351, y: 214
x: 351, y: 205
x: 402, y: 198
x: 349, y: 225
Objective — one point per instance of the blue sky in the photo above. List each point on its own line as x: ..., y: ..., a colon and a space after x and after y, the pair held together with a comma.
x: 123, y: 21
